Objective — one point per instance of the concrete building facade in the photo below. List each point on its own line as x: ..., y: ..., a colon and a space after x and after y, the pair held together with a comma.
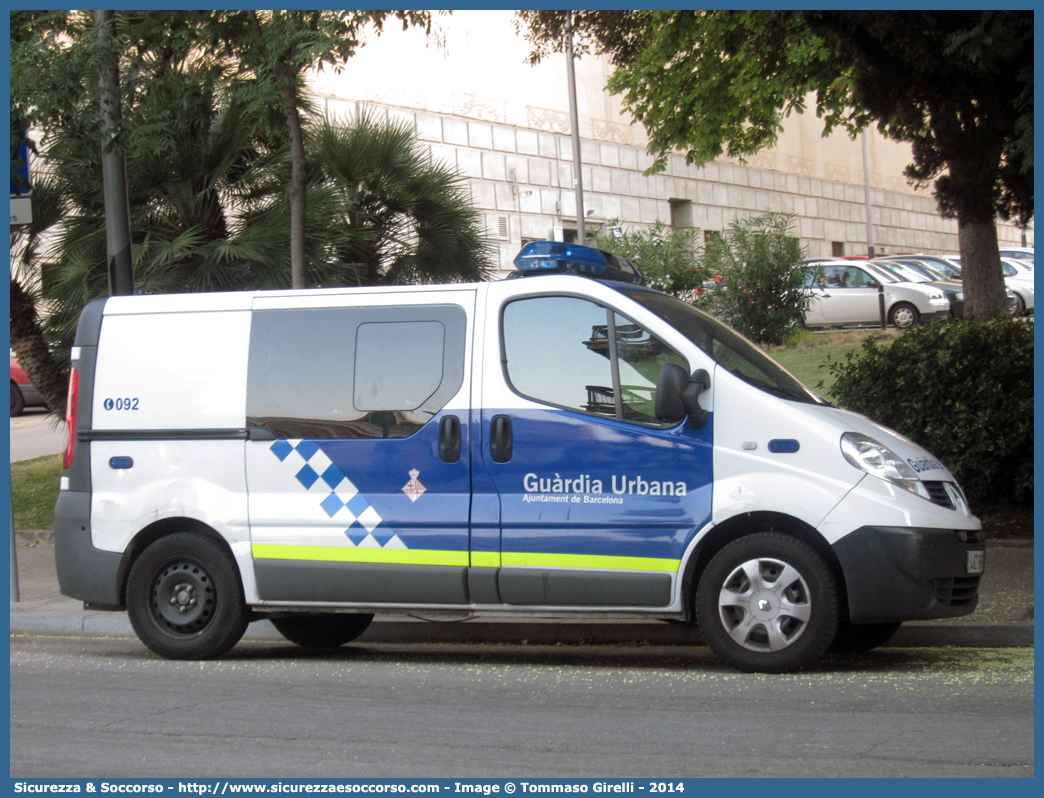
x: 505, y: 126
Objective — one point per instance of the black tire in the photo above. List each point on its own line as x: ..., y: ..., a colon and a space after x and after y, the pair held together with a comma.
x: 185, y: 598
x: 858, y: 638
x: 322, y: 631
x: 17, y: 401
x: 781, y: 573
x: 904, y: 315
x: 1020, y: 304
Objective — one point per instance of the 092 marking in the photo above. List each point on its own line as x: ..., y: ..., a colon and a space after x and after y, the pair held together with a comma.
x: 121, y: 403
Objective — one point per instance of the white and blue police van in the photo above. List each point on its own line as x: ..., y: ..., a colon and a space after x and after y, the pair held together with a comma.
x: 567, y: 445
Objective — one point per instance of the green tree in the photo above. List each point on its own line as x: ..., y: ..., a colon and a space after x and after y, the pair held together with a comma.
x: 209, y: 162
x: 957, y: 85
x: 976, y: 411
x: 56, y: 58
x: 761, y: 292
x: 381, y: 212
x: 275, y: 48
x: 211, y: 216
x: 669, y: 260
x: 186, y: 207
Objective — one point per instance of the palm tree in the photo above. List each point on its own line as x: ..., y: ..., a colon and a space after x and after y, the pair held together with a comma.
x: 209, y: 212
x: 385, y: 213
x: 187, y: 194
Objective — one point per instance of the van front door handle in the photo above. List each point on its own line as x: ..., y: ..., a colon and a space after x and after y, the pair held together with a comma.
x: 500, y: 440
x: 449, y: 439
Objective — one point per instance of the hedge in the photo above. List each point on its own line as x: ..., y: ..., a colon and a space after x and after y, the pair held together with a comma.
x: 964, y: 392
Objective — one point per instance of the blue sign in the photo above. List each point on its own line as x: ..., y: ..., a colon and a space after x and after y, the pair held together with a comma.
x: 20, y: 172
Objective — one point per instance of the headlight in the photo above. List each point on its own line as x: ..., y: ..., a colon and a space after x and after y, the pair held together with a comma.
x: 935, y: 295
x: 959, y: 296
x: 868, y: 455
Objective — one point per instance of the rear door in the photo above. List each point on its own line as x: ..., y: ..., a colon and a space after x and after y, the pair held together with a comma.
x: 358, y: 467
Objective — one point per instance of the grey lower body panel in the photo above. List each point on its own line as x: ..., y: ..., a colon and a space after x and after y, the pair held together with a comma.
x: 84, y: 572
x: 564, y: 588
x: 908, y: 574
x: 368, y: 583
x: 375, y: 584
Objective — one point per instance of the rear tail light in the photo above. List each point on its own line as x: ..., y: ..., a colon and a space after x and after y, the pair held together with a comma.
x: 70, y: 418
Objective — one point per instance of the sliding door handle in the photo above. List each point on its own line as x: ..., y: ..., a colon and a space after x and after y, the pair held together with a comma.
x: 500, y: 439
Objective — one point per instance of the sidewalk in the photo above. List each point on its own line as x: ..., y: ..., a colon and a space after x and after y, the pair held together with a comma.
x: 1003, y: 618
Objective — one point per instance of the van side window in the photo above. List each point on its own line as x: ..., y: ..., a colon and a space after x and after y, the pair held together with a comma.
x: 557, y: 351
x: 572, y: 353
x: 353, y: 372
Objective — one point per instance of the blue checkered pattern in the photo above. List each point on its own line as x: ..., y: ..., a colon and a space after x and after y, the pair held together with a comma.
x: 335, y: 493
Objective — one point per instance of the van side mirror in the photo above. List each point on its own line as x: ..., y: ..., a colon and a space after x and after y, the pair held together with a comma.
x: 670, y: 387
x: 698, y: 383
x: 678, y: 395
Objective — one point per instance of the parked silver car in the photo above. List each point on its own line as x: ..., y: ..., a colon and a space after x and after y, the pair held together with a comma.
x: 846, y: 293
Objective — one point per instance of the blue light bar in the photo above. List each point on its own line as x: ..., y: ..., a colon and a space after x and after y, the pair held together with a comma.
x: 557, y: 257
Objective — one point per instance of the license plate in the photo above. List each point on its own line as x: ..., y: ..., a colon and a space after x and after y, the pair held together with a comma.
x: 976, y: 562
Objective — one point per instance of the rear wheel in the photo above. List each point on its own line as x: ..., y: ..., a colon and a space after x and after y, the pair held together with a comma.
x: 17, y: 401
x: 322, y: 631
x: 858, y: 638
x: 767, y: 602
x: 184, y: 597
x: 904, y: 315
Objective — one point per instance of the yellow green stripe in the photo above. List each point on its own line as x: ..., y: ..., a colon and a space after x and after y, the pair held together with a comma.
x: 276, y: 551
x: 603, y: 562
x: 478, y: 559
x: 485, y: 559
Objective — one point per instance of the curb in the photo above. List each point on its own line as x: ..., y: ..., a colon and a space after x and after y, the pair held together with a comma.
x: 523, y: 633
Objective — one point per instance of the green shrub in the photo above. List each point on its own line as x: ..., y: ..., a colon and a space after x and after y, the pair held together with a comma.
x: 964, y: 392
x: 761, y: 293
x: 669, y: 260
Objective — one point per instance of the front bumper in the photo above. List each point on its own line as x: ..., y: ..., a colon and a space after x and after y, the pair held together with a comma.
x: 908, y: 574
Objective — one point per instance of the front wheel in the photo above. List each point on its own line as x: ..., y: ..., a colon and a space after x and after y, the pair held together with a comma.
x: 322, y: 631
x: 767, y: 602
x: 904, y: 315
x: 185, y: 599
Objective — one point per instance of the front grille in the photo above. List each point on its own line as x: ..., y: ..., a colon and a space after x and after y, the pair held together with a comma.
x: 939, y: 495
x: 956, y: 592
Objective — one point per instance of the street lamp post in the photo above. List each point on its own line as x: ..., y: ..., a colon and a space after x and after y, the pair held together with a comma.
x: 114, y: 174
x: 869, y: 206
x: 574, y: 118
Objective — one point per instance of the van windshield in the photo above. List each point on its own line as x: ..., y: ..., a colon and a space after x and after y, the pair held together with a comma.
x: 727, y: 347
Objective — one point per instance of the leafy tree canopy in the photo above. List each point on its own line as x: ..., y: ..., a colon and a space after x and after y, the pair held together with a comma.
x: 957, y: 85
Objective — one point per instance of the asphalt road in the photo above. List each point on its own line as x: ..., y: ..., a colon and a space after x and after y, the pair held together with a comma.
x: 95, y: 707
x: 35, y: 433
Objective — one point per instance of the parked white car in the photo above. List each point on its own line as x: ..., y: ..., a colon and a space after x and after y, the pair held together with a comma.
x: 1018, y: 278
x: 846, y: 292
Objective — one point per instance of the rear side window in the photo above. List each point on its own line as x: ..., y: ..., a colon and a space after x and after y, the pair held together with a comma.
x: 576, y: 354
x: 353, y: 372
